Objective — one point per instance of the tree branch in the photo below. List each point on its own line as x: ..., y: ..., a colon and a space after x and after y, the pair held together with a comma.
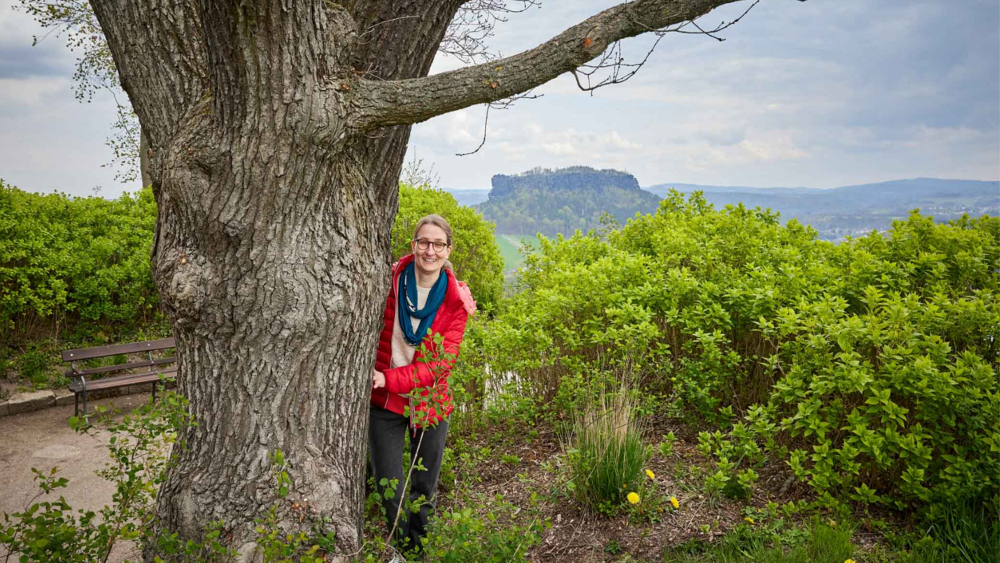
x: 403, y: 102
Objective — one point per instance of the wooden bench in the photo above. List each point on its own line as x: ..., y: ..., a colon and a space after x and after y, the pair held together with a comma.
x: 82, y: 385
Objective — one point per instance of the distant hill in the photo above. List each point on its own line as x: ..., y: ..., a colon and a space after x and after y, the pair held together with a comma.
x: 857, y: 210
x: 561, y: 201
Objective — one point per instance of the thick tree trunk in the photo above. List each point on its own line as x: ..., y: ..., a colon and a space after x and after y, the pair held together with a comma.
x: 273, y: 267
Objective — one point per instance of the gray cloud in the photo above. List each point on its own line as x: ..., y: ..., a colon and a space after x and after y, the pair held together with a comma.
x: 18, y: 58
x: 821, y: 93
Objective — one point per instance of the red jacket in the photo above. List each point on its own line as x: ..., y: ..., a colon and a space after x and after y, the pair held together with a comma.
x: 449, y: 322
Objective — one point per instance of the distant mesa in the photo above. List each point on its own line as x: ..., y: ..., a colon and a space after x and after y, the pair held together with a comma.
x: 563, y: 200
x: 574, y: 178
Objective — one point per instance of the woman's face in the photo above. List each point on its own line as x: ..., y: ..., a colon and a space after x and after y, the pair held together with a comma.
x: 429, y: 261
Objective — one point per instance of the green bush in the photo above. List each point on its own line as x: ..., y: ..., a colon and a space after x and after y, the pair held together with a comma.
x: 475, y: 253
x: 65, y: 260
x: 501, y: 536
x: 888, y: 390
x: 33, y: 365
x: 869, y: 367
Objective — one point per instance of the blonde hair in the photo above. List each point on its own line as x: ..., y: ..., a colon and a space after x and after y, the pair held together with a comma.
x: 437, y: 221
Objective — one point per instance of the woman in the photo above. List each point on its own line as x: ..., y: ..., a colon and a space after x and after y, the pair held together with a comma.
x: 424, y: 295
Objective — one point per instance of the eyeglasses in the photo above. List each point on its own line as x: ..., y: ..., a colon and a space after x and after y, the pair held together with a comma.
x: 438, y: 246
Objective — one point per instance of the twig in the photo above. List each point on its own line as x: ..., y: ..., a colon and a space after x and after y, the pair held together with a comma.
x: 485, y: 125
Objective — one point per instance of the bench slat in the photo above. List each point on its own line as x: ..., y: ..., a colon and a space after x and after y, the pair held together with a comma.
x: 121, y: 367
x: 131, y: 348
x: 111, y: 382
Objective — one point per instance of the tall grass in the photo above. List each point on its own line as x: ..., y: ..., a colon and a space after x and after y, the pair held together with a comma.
x: 823, y: 544
x: 606, y: 451
x: 965, y: 533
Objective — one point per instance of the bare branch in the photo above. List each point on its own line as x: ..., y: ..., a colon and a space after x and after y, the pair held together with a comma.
x: 401, y: 102
x: 485, y: 126
x: 473, y: 24
x: 613, y: 61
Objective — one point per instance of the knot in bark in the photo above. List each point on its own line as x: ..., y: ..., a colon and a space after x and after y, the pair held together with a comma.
x: 186, y: 285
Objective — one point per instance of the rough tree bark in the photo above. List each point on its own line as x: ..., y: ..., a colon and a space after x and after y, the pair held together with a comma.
x: 276, y: 132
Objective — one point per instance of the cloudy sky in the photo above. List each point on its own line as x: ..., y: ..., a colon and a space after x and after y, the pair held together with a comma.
x: 820, y: 94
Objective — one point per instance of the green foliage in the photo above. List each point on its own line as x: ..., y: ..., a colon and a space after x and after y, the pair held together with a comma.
x: 34, y: 365
x: 964, y: 533
x: 64, y: 260
x: 869, y: 367
x: 889, y: 391
x: 502, y: 535
x: 475, y: 254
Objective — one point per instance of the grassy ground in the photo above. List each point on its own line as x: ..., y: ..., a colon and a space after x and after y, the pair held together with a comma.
x: 510, y: 249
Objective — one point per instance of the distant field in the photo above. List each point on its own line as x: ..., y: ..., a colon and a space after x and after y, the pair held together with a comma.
x: 510, y: 249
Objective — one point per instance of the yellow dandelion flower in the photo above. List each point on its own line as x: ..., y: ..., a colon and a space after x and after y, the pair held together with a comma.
x: 749, y: 519
x: 633, y: 497
x: 673, y: 501
x: 650, y: 474
x: 848, y: 561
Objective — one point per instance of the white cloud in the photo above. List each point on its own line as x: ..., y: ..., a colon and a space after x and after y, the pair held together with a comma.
x: 559, y: 149
x: 30, y: 91
x: 773, y: 147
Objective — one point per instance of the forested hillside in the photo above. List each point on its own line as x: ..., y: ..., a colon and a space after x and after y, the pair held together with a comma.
x: 561, y: 201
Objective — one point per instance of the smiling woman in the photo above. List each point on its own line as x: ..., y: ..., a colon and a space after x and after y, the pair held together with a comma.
x: 423, y: 325
x: 474, y: 252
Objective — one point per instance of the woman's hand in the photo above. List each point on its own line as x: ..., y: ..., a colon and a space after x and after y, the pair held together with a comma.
x: 378, y: 379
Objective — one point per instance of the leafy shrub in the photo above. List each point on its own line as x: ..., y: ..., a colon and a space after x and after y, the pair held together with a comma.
x: 475, y: 253
x: 502, y: 535
x: 33, y: 365
x: 869, y: 367
x: 64, y: 260
x: 889, y: 391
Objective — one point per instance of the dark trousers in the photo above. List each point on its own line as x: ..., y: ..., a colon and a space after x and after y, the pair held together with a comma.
x: 386, y: 432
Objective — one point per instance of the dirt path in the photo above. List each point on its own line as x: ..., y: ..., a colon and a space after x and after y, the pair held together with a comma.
x: 43, y: 440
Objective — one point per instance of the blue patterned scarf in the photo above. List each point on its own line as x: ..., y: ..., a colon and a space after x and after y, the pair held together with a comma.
x: 406, y: 305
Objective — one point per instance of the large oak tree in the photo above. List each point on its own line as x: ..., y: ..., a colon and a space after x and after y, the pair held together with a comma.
x: 276, y: 133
